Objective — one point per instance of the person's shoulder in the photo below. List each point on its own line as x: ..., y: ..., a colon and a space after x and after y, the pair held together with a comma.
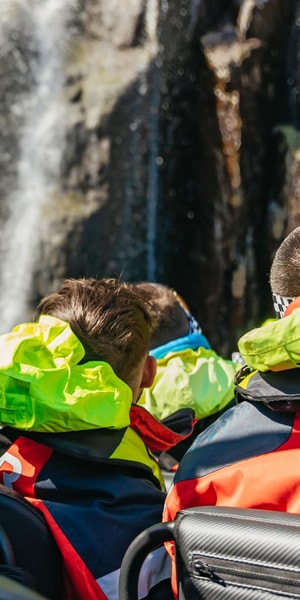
x: 244, y: 431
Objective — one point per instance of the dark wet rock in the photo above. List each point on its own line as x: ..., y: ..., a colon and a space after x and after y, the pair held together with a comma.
x: 164, y: 146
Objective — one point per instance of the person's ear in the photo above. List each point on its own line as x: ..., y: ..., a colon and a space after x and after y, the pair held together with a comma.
x: 149, y: 372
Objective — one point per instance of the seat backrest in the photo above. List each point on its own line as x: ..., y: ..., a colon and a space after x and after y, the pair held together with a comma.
x: 224, y: 554
x: 33, y: 546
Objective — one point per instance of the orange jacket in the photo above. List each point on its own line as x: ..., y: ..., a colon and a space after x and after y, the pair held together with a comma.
x: 248, y: 458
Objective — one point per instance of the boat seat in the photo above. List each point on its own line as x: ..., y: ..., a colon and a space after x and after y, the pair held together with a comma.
x: 28, y: 552
x: 223, y: 553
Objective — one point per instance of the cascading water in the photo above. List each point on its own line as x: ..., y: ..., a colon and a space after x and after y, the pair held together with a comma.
x: 152, y: 16
x: 40, y: 149
x: 143, y: 182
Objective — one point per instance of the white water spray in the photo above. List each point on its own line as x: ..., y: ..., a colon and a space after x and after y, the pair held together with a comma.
x: 41, y: 148
x: 152, y: 18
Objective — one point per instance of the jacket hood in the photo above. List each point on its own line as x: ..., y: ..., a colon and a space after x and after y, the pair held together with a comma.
x: 275, y: 346
x: 196, y: 378
x: 43, y: 388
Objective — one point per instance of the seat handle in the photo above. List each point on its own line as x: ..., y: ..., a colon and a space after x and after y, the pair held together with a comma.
x: 148, y: 540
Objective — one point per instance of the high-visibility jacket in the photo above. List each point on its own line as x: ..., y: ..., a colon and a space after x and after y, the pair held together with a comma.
x: 82, y: 454
x: 97, y: 490
x: 249, y: 457
x: 189, y: 374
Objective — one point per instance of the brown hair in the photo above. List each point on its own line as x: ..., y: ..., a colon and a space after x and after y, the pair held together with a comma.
x: 112, y: 322
x: 170, y: 320
x: 285, y: 269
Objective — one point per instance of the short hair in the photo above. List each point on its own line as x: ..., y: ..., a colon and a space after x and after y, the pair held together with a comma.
x: 112, y: 322
x: 285, y: 269
x: 170, y: 320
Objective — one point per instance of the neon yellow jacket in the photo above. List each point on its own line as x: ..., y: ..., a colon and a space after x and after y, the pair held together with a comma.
x: 196, y: 378
x: 43, y: 388
x: 275, y: 346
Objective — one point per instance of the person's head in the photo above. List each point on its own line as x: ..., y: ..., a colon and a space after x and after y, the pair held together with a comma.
x: 173, y: 318
x: 285, y: 272
x: 112, y: 322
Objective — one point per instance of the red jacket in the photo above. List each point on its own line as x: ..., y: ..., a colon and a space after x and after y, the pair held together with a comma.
x: 248, y: 458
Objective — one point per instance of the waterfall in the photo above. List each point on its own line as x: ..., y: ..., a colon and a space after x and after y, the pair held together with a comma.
x: 41, y: 145
x: 152, y: 16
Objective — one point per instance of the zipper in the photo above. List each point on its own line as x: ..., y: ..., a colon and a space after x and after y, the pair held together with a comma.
x: 224, y: 571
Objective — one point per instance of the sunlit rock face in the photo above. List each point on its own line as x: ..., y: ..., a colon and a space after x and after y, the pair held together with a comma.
x: 149, y: 139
